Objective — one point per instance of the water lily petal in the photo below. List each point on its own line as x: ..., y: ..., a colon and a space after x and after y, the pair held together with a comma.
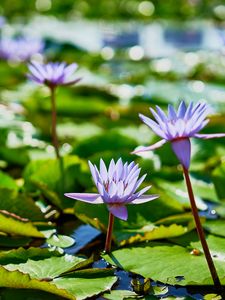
x: 149, y: 148
x: 181, y: 110
x: 144, y: 198
x: 153, y: 125
x: 86, y: 197
x: 103, y: 171
x: 94, y: 174
x: 171, y: 112
x: 119, y: 211
x: 182, y: 149
x: 209, y: 135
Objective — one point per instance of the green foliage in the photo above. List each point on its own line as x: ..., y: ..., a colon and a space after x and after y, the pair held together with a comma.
x: 14, y: 225
x: 45, y: 175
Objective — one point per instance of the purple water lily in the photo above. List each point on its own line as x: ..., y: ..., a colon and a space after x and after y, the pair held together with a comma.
x: 53, y: 73
x: 178, y: 127
x: 116, y: 187
x: 20, y: 49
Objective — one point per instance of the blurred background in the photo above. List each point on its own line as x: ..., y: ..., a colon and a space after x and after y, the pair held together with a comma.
x: 131, y: 55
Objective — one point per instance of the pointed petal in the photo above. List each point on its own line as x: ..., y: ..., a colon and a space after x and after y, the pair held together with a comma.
x: 86, y: 197
x: 72, y: 81
x: 188, y: 112
x: 119, y: 211
x: 149, y: 148
x: 131, y: 166
x: 139, y: 182
x: 160, y: 120
x: 119, y: 169
x: 144, y: 198
x: 111, y: 169
x: 93, y: 172
x: 181, y: 110
x: 182, y: 149
x: 171, y: 112
x: 209, y: 136
x: 153, y: 125
x: 103, y: 171
x: 112, y: 189
x: 161, y: 114
x: 142, y: 191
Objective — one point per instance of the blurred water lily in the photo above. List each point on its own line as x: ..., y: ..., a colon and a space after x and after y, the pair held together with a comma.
x: 178, y: 127
x: 117, y: 187
x: 53, y: 73
x: 20, y: 49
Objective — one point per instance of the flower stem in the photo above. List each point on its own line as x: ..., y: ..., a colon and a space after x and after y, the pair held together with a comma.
x: 200, y: 231
x: 54, y: 122
x: 55, y: 141
x: 109, y: 233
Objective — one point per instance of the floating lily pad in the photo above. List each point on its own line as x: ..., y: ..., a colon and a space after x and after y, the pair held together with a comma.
x: 12, y: 224
x: 11, y: 202
x: 61, y: 241
x: 16, y: 279
x: 149, y: 233
x: 216, y: 227
x: 46, y: 268
x: 218, y: 177
x: 166, y: 263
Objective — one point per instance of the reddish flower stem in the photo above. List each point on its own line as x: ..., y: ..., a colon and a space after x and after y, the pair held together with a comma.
x: 200, y: 231
x: 54, y: 122
x: 55, y: 141
x: 109, y: 233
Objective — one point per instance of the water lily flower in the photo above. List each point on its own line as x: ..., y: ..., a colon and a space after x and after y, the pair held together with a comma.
x: 116, y: 186
x: 20, y: 49
x: 178, y: 127
x: 53, y: 74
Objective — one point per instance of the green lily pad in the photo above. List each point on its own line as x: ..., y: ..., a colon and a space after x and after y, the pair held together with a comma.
x: 14, y: 241
x: 26, y: 294
x: 7, y: 182
x: 16, y: 279
x: 11, y: 201
x: 46, y: 268
x: 46, y: 176
x: 60, y: 272
x: 60, y: 240
x: 21, y: 255
x: 12, y: 224
x: 212, y: 297
x: 216, y: 227
x: 87, y: 283
x: 166, y: 263
x: 120, y: 295
x: 149, y: 233
x: 178, y: 190
x: 216, y: 245
x: 218, y: 177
